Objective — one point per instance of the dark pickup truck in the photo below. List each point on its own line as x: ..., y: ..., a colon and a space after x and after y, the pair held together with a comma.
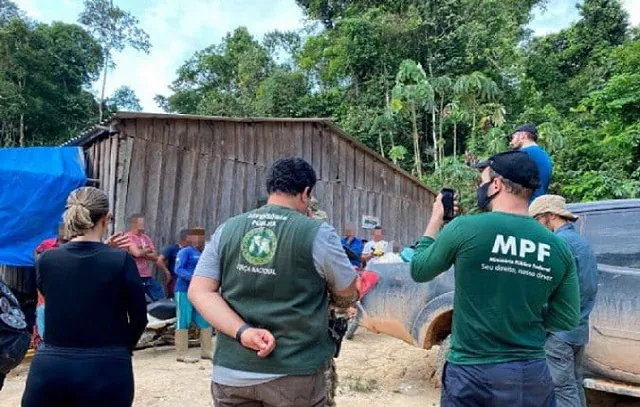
x: 420, y: 314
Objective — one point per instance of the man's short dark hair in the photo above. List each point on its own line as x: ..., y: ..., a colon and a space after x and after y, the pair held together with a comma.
x: 378, y: 228
x: 529, y: 129
x: 512, y: 187
x: 183, y: 234
x: 134, y: 217
x: 290, y: 176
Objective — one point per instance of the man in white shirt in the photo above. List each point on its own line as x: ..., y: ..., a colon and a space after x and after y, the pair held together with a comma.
x: 376, y: 247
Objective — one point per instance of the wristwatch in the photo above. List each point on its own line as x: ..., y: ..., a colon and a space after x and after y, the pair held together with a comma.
x: 241, y: 331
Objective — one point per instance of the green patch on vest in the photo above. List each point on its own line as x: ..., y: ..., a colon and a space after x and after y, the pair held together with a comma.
x: 259, y: 246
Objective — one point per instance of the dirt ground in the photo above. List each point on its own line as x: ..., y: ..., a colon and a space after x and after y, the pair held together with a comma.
x: 374, y: 370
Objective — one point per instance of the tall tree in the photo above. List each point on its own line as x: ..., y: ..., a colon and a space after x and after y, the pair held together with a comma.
x: 9, y: 11
x: 225, y: 79
x: 456, y: 114
x: 124, y: 98
x: 443, y: 85
x: 413, y: 92
x: 473, y: 90
x: 567, y: 65
x: 115, y: 29
x: 44, y: 73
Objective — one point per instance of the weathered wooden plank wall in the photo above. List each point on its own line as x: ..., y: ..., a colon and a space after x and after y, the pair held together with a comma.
x: 187, y: 172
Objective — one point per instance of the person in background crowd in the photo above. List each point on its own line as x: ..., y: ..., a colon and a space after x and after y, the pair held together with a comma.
x: 143, y: 250
x: 48, y: 244
x: 351, y: 241
x: 167, y: 261
x: 96, y: 313
x: 525, y: 138
x: 376, y: 247
x: 514, y: 282
x: 390, y: 255
x: 315, y: 212
x: 565, y: 350
x: 255, y: 267
x: 186, y: 262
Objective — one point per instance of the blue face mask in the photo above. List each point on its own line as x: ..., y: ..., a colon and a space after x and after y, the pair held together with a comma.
x: 483, y: 196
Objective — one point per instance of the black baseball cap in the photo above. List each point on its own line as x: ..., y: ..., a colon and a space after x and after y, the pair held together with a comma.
x: 515, y: 166
x: 527, y: 128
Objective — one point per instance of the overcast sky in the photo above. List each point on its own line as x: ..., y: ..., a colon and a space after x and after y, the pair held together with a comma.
x: 178, y: 28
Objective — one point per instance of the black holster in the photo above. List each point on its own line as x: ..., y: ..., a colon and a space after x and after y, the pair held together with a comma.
x: 337, y: 329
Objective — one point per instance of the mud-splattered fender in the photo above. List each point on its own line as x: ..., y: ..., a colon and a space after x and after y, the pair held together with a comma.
x: 433, y: 323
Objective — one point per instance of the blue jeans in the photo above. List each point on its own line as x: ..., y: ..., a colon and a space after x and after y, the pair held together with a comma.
x: 523, y: 383
x: 565, y: 364
x: 153, y: 288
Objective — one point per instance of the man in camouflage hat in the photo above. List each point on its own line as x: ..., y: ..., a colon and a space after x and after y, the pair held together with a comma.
x: 315, y: 212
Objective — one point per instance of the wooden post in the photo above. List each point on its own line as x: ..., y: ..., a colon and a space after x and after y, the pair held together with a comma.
x: 122, y: 179
x: 113, y: 177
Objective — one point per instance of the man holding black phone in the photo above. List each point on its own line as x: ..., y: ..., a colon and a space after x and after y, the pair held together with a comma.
x: 514, y: 282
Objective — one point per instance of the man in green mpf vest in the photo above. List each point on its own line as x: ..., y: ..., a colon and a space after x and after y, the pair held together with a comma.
x: 514, y: 282
x: 262, y: 283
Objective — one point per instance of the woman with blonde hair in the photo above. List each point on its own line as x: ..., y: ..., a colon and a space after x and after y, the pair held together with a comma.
x: 95, y: 315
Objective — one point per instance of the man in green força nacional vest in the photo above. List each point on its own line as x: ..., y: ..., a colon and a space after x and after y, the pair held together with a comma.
x: 273, y: 266
x: 514, y: 282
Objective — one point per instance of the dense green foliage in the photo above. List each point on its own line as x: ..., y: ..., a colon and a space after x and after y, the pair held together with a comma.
x: 46, y: 72
x: 428, y: 84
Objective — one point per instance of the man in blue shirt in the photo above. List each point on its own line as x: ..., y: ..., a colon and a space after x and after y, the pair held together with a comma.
x: 186, y: 262
x: 565, y: 350
x: 167, y: 261
x: 351, y: 241
x: 525, y: 138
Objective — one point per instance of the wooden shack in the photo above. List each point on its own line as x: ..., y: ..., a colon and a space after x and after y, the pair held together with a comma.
x: 183, y: 170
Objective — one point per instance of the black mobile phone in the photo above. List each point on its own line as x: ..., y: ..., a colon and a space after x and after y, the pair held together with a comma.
x: 448, y: 195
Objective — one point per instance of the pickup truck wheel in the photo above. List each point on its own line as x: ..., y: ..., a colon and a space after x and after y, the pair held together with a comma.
x: 441, y: 359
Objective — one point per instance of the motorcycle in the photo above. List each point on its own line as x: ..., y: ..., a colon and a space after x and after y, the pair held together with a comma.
x: 160, y: 329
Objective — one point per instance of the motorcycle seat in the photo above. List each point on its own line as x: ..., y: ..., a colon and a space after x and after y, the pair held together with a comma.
x: 162, y: 309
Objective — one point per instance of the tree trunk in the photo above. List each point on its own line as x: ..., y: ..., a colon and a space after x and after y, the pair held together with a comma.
x: 416, y: 143
x: 21, y: 143
x: 441, y: 139
x: 473, y: 132
x: 386, y: 104
x: 433, y: 134
x: 104, y: 85
x: 455, y: 139
x: 380, y: 143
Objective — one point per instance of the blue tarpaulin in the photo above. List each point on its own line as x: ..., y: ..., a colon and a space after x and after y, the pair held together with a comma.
x: 34, y: 186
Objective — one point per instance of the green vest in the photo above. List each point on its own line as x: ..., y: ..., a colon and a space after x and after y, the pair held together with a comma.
x: 268, y: 277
